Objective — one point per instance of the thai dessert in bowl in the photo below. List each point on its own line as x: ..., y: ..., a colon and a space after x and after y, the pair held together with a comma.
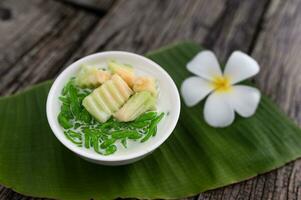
x: 113, y: 107
x: 104, y: 107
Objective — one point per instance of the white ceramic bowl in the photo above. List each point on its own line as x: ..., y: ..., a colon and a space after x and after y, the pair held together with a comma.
x: 168, y: 102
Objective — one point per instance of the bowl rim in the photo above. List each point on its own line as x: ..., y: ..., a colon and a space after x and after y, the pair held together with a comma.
x: 57, y: 131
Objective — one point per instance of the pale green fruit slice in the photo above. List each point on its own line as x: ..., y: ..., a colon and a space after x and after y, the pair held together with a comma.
x: 91, y: 76
x: 99, y: 100
x: 145, y: 83
x: 108, y: 98
x: 124, y: 71
x: 115, y: 93
x: 122, y: 86
x: 135, y: 106
x: 91, y: 106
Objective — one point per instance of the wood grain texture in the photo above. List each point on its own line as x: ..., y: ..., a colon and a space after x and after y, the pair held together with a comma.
x: 277, y: 49
x: 141, y: 25
x: 94, y: 5
x: 7, y: 194
x: 37, y: 39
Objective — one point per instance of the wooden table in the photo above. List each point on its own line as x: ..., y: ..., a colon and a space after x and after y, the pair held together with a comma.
x: 38, y: 38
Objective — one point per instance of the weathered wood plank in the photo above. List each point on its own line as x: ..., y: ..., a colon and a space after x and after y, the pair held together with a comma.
x: 37, y: 39
x: 96, y: 5
x: 160, y: 23
x: 141, y: 26
x: 6, y: 194
x: 278, y: 50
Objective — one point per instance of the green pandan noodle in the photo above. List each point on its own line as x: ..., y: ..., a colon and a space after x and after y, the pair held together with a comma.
x: 109, y: 114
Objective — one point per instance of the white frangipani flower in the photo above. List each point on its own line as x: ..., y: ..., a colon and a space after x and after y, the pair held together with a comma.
x: 225, y: 97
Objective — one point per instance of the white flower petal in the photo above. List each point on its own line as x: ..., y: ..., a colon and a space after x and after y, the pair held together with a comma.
x: 244, y: 100
x: 205, y: 65
x: 240, y: 66
x: 217, y: 111
x: 194, y: 89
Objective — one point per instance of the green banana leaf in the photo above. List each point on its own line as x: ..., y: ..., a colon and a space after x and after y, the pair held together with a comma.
x: 194, y: 159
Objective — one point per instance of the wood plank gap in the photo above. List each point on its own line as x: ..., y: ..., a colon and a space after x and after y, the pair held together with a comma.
x: 99, y: 11
x: 65, y: 59
x: 43, y: 38
x: 79, y: 43
x: 217, y: 27
x: 259, y: 26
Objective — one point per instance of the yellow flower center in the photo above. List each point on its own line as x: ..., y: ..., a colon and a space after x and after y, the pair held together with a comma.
x: 221, y: 84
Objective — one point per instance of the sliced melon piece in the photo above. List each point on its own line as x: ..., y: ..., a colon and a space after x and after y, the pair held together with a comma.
x: 115, y: 93
x: 92, y: 107
x: 126, y: 72
x: 99, y: 101
x: 107, y: 98
x: 122, y: 86
x: 145, y: 83
x: 90, y: 76
x: 135, y: 106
